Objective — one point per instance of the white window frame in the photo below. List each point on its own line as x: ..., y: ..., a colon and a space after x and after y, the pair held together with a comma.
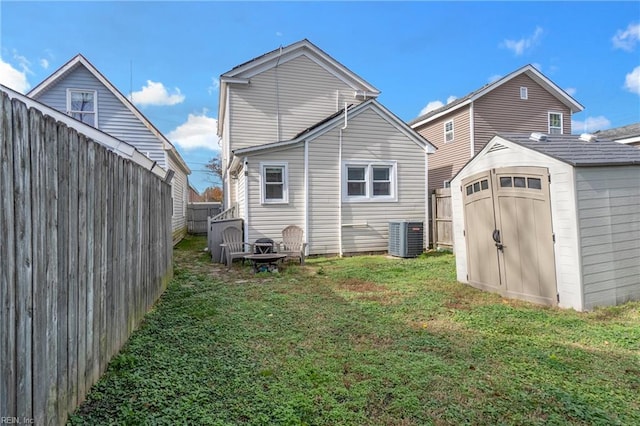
x: 285, y: 183
x: 70, y: 112
x: 524, y: 93
x: 368, y: 177
x: 549, y: 122
x: 446, y: 132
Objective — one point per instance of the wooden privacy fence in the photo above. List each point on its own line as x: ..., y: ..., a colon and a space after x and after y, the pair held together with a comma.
x: 197, y: 215
x: 442, y: 225
x: 85, y: 251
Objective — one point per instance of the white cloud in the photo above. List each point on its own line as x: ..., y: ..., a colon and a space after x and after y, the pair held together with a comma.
x: 278, y: 33
x: 590, y: 124
x: 156, y: 94
x: 44, y: 63
x: 215, y: 85
x: 632, y: 81
x: 199, y: 131
x: 433, y: 105
x: 519, y: 46
x: 13, y: 78
x: 494, y: 78
x: 571, y: 91
x: 451, y: 99
x: 627, y: 39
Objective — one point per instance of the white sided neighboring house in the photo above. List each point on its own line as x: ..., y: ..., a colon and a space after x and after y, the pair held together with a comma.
x: 306, y: 143
x: 79, y: 90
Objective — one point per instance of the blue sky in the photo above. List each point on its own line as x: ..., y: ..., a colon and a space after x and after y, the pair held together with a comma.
x: 419, y: 54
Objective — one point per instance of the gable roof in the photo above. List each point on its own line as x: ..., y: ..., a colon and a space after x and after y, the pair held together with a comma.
x: 336, y: 119
x: 571, y: 149
x: 241, y: 74
x: 80, y: 60
x: 529, y: 70
x: 624, y: 134
x: 112, y: 143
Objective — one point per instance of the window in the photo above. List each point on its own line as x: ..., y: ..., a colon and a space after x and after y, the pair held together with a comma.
x: 82, y: 105
x: 448, y: 131
x: 481, y: 185
x: 524, y: 93
x: 369, y: 181
x: 520, y: 182
x: 555, y: 123
x: 274, y: 183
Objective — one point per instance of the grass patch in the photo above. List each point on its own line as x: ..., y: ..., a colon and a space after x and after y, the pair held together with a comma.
x: 368, y: 340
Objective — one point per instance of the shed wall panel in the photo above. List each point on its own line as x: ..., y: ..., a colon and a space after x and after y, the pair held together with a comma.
x: 609, y: 217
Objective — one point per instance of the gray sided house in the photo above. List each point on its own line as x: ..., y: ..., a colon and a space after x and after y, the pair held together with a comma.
x: 306, y: 143
x: 629, y: 135
x: 79, y: 90
x: 522, y: 101
x: 551, y: 219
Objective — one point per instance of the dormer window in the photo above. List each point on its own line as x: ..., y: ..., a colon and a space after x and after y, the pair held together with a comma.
x: 83, y: 105
x: 524, y: 93
x: 448, y: 131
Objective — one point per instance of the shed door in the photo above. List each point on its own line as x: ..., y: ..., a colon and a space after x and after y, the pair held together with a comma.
x: 510, y: 237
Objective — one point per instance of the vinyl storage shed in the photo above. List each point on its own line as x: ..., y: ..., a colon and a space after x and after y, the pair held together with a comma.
x: 553, y: 219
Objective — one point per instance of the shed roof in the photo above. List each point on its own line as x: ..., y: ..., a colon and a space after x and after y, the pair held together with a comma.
x: 572, y: 150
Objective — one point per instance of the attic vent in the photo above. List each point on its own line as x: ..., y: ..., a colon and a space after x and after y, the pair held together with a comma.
x: 588, y: 137
x: 538, y: 137
x: 497, y: 147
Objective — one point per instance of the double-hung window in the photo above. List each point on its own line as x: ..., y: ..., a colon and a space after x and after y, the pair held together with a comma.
x: 555, y: 123
x: 274, y: 183
x: 448, y: 131
x: 83, y: 105
x: 369, y: 181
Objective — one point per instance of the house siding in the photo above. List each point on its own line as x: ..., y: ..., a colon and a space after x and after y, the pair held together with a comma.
x: 450, y: 157
x: 502, y: 110
x: 370, y: 137
x: 609, y: 217
x: 113, y: 117
x: 324, y: 202
x: 563, y: 213
x: 180, y: 192
x: 268, y: 220
x: 298, y: 93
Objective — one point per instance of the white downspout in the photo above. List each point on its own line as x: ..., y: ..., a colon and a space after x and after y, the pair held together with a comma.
x: 246, y: 199
x: 306, y: 194
x: 340, y: 181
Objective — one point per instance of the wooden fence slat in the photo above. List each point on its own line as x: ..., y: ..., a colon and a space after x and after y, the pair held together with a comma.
x: 39, y: 284
x: 51, y: 255
x: 90, y: 192
x: 7, y: 271
x: 63, y: 273
x: 72, y: 325
x: 82, y: 270
x: 24, y: 258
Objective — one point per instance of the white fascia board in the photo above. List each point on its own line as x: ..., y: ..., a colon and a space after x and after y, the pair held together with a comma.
x: 280, y: 56
x: 234, y: 80
x: 443, y: 113
x: 632, y: 139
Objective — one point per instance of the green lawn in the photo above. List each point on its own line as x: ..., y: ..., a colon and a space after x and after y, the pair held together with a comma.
x: 368, y: 340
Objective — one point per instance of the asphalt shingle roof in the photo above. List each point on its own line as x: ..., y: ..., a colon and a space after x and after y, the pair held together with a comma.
x: 572, y: 150
x: 620, y: 132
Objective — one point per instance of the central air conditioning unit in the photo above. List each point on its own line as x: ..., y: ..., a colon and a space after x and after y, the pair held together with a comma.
x: 406, y: 237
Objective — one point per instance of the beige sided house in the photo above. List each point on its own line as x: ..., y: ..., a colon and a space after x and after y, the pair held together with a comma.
x: 306, y: 143
x: 523, y: 101
x: 629, y: 135
x: 79, y: 90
